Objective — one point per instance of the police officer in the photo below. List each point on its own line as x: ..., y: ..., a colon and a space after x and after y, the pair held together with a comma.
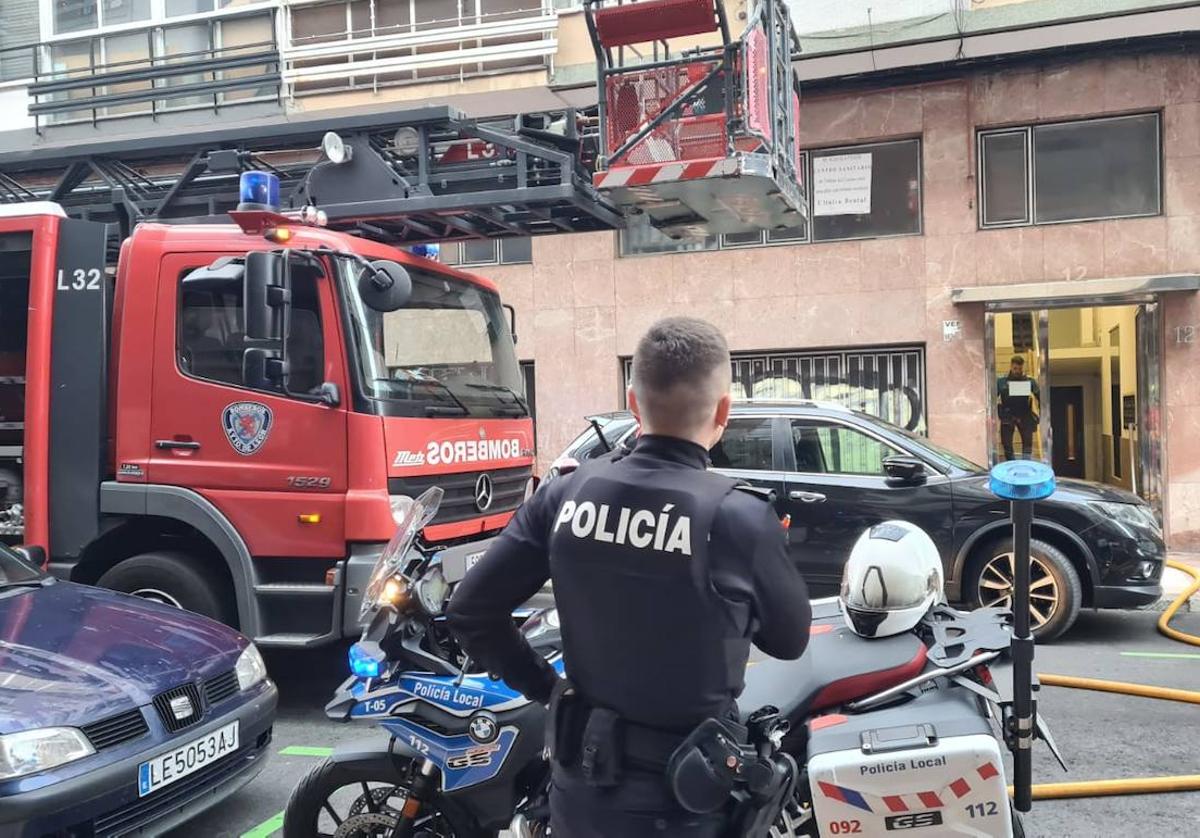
x: 664, y: 573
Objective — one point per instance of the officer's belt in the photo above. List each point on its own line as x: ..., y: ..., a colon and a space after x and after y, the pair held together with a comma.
x: 600, y: 743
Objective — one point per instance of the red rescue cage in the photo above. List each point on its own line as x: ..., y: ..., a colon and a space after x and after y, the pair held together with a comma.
x: 705, y: 140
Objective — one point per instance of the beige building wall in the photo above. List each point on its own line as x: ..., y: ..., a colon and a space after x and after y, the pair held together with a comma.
x: 582, y: 308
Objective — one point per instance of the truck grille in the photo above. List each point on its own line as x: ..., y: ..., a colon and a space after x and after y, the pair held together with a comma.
x: 508, y: 490
x: 116, y: 729
x: 220, y: 687
x: 179, y: 707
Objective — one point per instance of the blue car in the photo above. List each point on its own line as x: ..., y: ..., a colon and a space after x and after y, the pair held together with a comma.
x: 117, y: 715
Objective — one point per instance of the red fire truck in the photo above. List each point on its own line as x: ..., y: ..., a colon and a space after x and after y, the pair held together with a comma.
x: 213, y: 402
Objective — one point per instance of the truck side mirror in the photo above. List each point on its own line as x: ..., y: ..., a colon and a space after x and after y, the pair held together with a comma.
x: 263, y: 369
x: 266, y: 295
x: 385, y: 285
x: 512, y: 321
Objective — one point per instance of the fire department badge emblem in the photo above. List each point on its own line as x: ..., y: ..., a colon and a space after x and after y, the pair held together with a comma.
x: 246, y: 425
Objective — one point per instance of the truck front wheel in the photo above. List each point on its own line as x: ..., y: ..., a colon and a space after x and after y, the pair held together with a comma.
x: 174, y: 579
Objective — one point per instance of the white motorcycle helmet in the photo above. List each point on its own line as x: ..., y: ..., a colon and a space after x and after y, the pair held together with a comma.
x: 893, y: 577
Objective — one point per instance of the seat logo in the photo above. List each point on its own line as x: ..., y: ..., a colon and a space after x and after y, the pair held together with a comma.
x: 181, y: 708
x: 483, y: 492
x: 246, y: 425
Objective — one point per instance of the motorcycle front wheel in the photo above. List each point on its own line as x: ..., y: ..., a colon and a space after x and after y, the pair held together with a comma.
x: 357, y: 800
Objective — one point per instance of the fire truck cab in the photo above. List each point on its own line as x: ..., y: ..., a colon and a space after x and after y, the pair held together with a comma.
x: 228, y: 419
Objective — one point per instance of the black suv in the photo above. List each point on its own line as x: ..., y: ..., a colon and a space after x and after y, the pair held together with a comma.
x: 837, y: 471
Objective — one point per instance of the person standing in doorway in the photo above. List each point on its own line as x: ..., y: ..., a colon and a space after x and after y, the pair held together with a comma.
x: 1016, y: 410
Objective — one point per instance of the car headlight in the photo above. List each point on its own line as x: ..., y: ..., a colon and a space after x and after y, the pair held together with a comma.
x: 250, y: 668
x: 39, y: 750
x: 1131, y: 514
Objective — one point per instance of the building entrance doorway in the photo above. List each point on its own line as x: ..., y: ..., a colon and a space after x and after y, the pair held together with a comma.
x: 1077, y: 386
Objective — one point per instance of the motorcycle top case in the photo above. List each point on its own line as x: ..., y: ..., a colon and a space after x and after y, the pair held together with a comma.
x: 929, y: 767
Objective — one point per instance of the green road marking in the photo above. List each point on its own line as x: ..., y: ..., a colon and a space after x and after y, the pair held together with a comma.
x: 266, y: 828
x: 1161, y: 655
x: 305, y: 751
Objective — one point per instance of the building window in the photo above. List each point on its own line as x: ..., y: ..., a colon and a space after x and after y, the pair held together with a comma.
x: 855, y: 192
x: 480, y: 252
x: 1070, y: 171
x: 886, y: 382
x: 865, y: 192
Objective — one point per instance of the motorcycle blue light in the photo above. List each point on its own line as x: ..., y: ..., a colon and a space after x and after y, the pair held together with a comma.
x: 259, y: 190
x: 363, y: 664
x: 1022, y: 480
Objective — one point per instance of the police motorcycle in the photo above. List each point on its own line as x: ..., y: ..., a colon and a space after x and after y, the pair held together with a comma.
x: 900, y: 706
x: 465, y: 755
x: 892, y: 712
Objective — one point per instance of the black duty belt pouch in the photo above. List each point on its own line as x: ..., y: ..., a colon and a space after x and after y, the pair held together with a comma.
x: 564, y: 724
x: 700, y: 772
x: 602, y: 748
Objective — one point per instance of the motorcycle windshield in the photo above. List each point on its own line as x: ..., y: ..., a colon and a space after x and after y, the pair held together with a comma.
x: 415, y: 518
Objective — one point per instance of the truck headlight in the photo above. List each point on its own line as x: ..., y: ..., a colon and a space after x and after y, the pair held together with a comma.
x: 39, y: 750
x: 250, y: 668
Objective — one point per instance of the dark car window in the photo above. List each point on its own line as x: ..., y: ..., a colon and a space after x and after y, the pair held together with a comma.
x: 831, y: 448
x: 14, y: 569
x: 587, y: 445
x: 746, y: 445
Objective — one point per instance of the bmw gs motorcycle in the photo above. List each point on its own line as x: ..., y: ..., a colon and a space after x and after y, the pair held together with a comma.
x: 895, y: 733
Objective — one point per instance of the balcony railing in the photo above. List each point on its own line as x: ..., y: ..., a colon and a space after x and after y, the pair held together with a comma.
x: 88, y: 80
x: 468, y: 44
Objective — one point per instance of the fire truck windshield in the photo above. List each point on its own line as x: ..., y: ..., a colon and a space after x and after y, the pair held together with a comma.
x: 448, y: 352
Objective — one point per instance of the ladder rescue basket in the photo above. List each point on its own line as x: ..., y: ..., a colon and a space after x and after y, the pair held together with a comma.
x: 703, y: 141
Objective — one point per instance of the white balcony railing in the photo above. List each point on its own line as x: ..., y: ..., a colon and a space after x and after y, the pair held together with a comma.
x: 485, y: 41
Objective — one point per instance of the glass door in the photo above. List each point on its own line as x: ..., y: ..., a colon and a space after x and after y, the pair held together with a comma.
x: 1016, y: 367
x: 1145, y: 417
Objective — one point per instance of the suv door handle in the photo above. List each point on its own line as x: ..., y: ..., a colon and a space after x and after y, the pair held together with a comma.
x: 189, y: 445
x: 806, y: 497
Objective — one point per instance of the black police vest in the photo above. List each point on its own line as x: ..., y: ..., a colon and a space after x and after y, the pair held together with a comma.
x: 644, y: 632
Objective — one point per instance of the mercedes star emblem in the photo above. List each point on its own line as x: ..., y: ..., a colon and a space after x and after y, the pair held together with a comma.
x: 483, y: 493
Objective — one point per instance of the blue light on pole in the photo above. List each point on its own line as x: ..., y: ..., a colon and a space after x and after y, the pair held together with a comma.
x: 1022, y: 480
x: 429, y: 251
x: 258, y: 190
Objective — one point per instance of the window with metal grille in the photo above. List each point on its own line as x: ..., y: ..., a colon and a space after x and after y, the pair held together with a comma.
x: 887, y: 382
x: 1070, y: 171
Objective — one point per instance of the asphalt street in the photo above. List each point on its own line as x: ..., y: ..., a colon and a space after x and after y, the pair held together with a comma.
x: 1102, y: 736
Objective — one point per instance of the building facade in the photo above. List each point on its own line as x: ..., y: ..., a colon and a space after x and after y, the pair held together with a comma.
x: 1023, y: 186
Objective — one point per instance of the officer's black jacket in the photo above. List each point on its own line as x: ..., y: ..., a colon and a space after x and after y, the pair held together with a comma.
x: 663, y: 650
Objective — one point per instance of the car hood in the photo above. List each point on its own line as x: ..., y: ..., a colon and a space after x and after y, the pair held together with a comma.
x: 70, y: 654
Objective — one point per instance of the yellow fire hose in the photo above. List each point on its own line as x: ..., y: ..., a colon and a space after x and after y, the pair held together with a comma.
x: 1133, y: 785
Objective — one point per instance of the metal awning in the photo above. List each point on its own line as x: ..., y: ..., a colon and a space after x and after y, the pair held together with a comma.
x: 1083, y: 292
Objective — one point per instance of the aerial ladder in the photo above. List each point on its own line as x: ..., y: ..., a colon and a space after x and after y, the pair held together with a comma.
x: 697, y: 141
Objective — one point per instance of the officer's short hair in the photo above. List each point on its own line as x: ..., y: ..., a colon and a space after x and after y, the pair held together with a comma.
x: 1018, y: 360
x: 681, y: 370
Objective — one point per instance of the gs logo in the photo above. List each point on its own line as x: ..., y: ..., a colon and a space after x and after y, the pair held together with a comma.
x: 916, y: 820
